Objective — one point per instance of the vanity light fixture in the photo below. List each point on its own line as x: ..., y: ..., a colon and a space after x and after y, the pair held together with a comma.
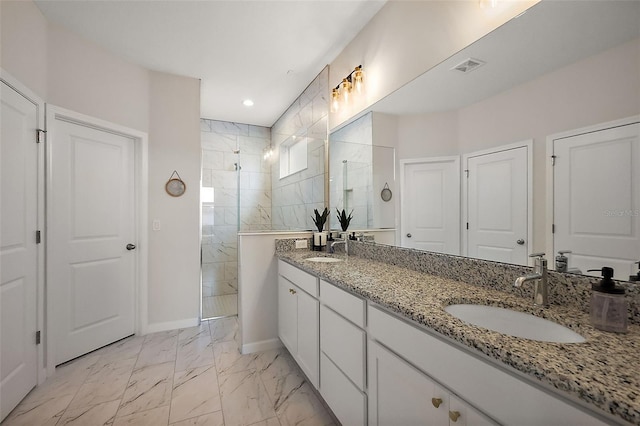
x: 341, y: 93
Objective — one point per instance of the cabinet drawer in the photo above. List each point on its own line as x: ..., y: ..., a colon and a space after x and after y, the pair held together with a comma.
x: 344, y: 344
x: 344, y: 399
x: 304, y: 280
x: 346, y: 304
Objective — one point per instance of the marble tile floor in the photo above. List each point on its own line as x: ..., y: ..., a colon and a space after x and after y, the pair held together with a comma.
x: 192, y: 376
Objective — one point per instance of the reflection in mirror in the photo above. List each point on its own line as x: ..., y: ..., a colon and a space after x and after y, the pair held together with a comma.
x: 562, y: 67
x: 359, y: 171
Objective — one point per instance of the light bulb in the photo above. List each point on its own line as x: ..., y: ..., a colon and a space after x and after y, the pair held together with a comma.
x: 335, y: 100
x: 345, y: 89
x: 358, y: 79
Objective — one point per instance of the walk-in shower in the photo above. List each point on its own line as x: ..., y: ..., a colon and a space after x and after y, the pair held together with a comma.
x: 236, y: 186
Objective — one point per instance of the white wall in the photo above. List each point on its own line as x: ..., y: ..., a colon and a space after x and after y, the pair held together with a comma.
x: 75, y: 74
x: 86, y: 78
x: 174, y: 251
x: 24, y: 29
x: 258, y: 289
x: 407, y: 38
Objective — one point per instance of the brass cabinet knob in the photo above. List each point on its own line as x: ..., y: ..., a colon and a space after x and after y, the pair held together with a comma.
x: 436, y: 402
x: 292, y: 291
x: 454, y: 415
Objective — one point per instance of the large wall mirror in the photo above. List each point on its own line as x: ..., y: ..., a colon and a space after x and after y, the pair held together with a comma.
x: 525, y: 141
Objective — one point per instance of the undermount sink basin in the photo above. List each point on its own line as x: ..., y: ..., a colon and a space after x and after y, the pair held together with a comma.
x: 514, y: 323
x: 323, y: 259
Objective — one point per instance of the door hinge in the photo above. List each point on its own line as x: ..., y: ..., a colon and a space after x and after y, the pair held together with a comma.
x: 38, y: 337
x: 40, y: 135
x: 553, y: 228
x: 38, y: 237
x: 553, y: 160
x: 467, y: 172
x: 467, y: 225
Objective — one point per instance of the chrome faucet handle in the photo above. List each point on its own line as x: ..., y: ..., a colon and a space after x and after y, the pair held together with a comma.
x: 536, y: 255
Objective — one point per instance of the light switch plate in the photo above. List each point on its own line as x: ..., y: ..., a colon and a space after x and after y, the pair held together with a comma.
x: 155, y: 225
x: 301, y: 244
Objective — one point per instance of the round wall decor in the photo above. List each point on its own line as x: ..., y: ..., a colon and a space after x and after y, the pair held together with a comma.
x: 175, y: 186
x: 386, y: 193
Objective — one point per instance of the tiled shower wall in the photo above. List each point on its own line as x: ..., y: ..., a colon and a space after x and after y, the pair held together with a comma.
x: 295, y: 196
x: 220, y: 221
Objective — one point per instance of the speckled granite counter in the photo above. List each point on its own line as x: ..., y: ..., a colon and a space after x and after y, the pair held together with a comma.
x: 602, y: 371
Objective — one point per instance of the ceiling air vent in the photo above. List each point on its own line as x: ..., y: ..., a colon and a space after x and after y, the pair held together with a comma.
x: 468, y: 65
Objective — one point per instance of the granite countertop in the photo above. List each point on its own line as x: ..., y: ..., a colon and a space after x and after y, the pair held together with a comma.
x: 601, y: 371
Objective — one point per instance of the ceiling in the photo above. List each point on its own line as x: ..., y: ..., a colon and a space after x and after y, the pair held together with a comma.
x: 266, y: 51
x: 548, y: 36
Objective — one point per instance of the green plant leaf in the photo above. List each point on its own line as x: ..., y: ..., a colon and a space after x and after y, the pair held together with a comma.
x: 344, y: 219
x: 320, y: 219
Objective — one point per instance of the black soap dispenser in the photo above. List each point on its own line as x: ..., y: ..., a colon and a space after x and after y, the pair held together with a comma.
x: 608, y: 304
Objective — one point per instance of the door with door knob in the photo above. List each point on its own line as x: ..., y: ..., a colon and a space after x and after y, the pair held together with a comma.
x: 91, y: 257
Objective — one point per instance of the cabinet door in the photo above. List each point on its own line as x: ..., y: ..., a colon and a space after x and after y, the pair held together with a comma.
x: 288, y: 314
x: 308, y: 318
x: 399, y: 394
x: 462, y: 414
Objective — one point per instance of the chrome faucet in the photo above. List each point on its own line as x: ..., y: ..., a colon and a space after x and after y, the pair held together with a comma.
x: 539, y: 276
x: 333, y: 244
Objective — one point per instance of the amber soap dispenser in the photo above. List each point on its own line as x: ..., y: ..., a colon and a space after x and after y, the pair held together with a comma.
x: 608, y: 304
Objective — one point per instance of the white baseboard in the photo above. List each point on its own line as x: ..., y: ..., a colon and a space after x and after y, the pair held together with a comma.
x: 263, y: 345
x: 170, y: 325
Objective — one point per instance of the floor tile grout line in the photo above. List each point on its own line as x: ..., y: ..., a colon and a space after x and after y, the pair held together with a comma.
x: 129, y: 381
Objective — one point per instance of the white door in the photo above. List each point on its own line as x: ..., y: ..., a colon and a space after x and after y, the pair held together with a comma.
x: 498, y: 206
x: 18, y: 251
x: 91, y: 217
x: 430, y: 205
x: 597, y: 199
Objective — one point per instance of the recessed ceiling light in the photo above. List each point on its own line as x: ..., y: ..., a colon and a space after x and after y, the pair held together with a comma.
x: 247, y: 102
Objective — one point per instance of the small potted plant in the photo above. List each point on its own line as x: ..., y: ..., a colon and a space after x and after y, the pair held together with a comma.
x: 320, y: 237
x: 344, y: 221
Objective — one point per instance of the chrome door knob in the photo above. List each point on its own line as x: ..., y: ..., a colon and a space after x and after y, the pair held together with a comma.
x: 131, y: 246
x: 408, y: 235
x: 520, y: 242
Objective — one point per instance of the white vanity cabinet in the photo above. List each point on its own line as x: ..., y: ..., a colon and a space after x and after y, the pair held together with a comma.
x: 423, y: 358
x: 298, y: 318
x: 343, y: 354
x: 399, y: 393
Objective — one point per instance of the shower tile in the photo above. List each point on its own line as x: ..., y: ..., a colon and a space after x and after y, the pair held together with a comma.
x: 212, y: 160
x: 221, y: 288
x: 251, y: 162
x: 231, y: 217
x: 260, y: 132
